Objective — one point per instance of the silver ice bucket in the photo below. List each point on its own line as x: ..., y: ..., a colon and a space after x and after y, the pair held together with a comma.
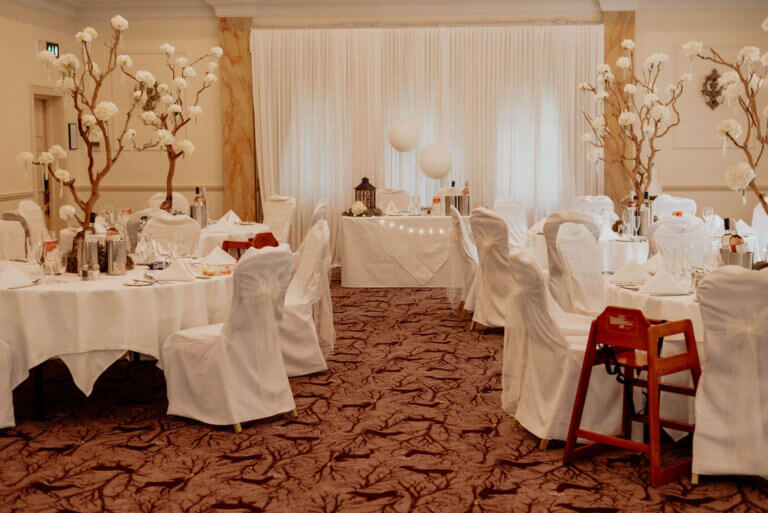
x: 745, y: 259
x: 461, y: 203
x: 200, y: 214
x: 88, y: 258
x: 117, y: 255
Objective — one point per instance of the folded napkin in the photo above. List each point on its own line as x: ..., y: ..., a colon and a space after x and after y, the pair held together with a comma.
x: 11, y: 276
x: 392, y: 208
x: 631, y: 273
x: 231, y: 217
x: 663, y: 283
x: 218, y: 256
x: 177, y: 271
x: 654, y: 264
x: 100, y: 226
x: 606, y: 233
x: 744, y: 229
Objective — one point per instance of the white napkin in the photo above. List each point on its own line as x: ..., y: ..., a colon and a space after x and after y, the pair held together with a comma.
x: 607, y: 234
x: 744, y: 229
x: 177, y: 271
x: 11, y: 276
x: 100, y: 226
x: 231, y: 217
x: 392, y: 208
x: 218, y: 256
x: 631, y: 273
x: 663, y: 283
x: 654, y: 264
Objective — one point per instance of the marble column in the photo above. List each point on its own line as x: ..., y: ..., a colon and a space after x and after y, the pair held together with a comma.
x: 619, y: 25
x: 241, y: 181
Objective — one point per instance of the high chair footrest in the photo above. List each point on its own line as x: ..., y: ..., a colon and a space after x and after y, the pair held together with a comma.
x: 613, y: 440
x: 669, y: 424
x: 667, y: 387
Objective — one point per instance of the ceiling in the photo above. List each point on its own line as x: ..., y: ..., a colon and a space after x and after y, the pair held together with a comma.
x: 379, y: 11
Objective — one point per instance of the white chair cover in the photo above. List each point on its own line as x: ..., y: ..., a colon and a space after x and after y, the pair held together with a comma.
x: 550, y: 229
x: 513, y: 212
x: 731, y: 434
x: 491, y: 284
x: 592, y: 205
x: 234, y: 372
x: 664, y: 205
x: 278, y: 215
x: 306, y: 332
x: 582, y: 272
x: 32, y: 213
x: 11, y: 240
x: 541, y: 364
x: 7, y: 418
x: 135, y: 223
x: 463, y: 261
x: 320, y: 212
x: 760, y: 227
x: 167, y: 229
x: 180, y: 202
x: 683, y: 237
x: 399, y: 196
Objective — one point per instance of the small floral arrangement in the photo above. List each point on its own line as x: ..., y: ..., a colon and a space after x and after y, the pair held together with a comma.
x: 677, y: 213
x: 358, y: 209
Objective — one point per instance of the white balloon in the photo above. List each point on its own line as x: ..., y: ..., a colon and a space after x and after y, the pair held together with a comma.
x: 435, y: 161
x: 404, y: 134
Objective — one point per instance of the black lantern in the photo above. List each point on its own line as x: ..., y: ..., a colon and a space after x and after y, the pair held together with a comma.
x: 366, y: 193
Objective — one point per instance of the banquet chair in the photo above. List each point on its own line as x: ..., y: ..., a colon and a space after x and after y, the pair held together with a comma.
x: 592, y: 205
x: 137, y: 221
x: 491, y: 284
x: 582, y: 274
x: 12, y: 238
x: 731, y: 409
x: 399, y: 196
x: 306, y: 332
x: 683, y: 237
x: 33, y: 215
x: 550, y: 229
x: 463, y: 263
x: 167, y: 229
x: 320, y: 212
x: 7, y: 418
x: 542, y: 361
x: 624, y: 339
x: 180, y: 202
x: 513, y: 212
x: 760, y: 227
x: 278, y: 215
x: 665, y: 205
x: 233, y: 372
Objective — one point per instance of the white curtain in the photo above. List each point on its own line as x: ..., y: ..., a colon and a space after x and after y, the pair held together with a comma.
x: 502, y: 98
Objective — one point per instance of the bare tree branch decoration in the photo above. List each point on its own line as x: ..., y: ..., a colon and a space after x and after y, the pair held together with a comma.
x: 163, y: 108
x: 82, y: 82
x: 742, y: 85
x: 644, y: 115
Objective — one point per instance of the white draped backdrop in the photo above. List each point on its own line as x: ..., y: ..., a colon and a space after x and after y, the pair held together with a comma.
x: 502, y: 98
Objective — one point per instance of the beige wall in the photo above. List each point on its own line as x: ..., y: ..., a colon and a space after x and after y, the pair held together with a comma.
x: 691, y: 162
x: 137, y: 175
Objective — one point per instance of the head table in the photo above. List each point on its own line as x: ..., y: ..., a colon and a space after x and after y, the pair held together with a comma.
x: 90, y: 324
x: 395, y: 251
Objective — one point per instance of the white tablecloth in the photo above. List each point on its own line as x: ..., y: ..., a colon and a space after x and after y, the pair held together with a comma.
x: 395, y: 251
x: 615, y: 253
x: 90, y: 324
x: 213, y: 235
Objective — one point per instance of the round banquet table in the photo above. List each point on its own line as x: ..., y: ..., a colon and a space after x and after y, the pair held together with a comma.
x: 615, y: 253
x: 215, y: 234
x: 91, y: 324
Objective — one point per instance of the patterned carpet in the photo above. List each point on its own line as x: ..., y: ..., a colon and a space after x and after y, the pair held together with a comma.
x: 407, y: 419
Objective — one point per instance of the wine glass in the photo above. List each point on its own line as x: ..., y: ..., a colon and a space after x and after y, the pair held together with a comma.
x: 628, y: 221
x: 708, y: 214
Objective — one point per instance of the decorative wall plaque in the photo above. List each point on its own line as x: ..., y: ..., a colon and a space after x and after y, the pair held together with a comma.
x: 711, y: 90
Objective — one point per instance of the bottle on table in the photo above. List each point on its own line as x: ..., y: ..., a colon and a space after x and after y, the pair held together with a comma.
x: 645, y: 215
x: 465, y: 192
x: 203, y: 198
x: 731, y: 240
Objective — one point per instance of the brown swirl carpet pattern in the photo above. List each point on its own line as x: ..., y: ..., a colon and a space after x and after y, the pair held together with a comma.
x: 407, y: 419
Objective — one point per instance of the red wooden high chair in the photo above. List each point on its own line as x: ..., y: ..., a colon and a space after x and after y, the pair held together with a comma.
x: 237, y: 246
x: 629, y: 340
